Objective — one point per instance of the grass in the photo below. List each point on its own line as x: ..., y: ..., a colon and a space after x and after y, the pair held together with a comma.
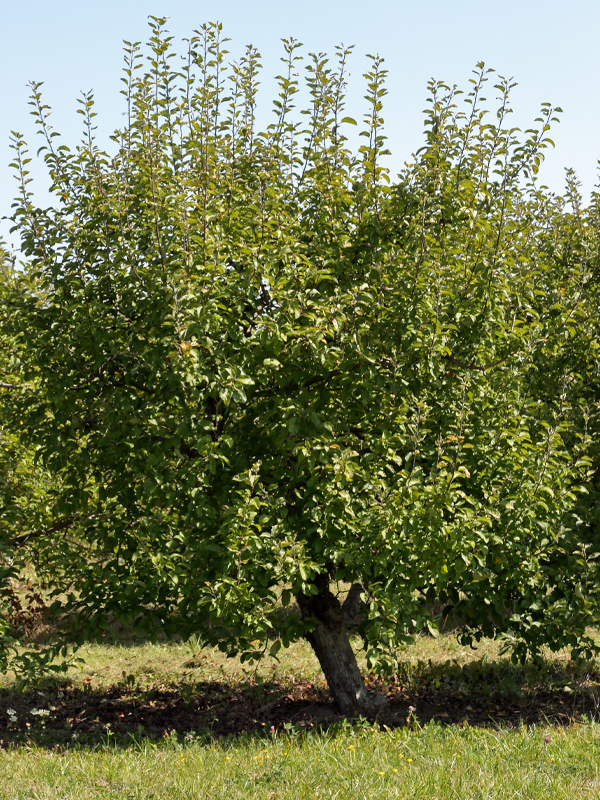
x: 141, y: 720
x: 344, y: 762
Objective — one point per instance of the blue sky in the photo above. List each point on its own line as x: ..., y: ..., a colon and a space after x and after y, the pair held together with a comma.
x: 551, y: 49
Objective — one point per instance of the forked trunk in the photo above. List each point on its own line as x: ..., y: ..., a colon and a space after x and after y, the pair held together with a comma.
x: 331, y: 643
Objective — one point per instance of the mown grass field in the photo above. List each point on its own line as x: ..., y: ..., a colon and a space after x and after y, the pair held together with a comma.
x: 434, y: 762
x: 141, y: 720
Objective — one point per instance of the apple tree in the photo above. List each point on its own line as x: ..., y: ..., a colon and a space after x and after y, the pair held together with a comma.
x: 264, y: 370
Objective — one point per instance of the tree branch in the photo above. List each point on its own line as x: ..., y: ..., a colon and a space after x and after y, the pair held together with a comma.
x: 465, y: 365
x: 60, y: 525
x: 353, y: 608
x: 188, y: 451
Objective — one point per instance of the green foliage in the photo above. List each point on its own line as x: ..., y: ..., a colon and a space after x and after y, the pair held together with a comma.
x: 24, y: 498
x: 9, y: 467
x: 22, y: 483
x: 258, y: 359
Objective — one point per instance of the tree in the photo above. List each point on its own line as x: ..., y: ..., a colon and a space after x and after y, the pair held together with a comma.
x: 264, y: 369
x: 9, y: 493
x: 24, y: 506
x: 573, y: 242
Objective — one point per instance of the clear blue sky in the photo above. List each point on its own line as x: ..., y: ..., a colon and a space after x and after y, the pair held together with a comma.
x: 550, y: 47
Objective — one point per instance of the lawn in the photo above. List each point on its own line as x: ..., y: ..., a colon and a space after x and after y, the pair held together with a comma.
x: 172, y: 721
x: 345, y: 762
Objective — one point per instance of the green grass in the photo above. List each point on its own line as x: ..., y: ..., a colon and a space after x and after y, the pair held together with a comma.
x: 364, y: 762
x: 479, y: 729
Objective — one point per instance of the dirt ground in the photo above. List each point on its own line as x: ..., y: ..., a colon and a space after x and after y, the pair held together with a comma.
x: 200, y: 698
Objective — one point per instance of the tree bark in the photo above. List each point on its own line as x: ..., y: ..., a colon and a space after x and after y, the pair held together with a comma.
x: 331, y: 642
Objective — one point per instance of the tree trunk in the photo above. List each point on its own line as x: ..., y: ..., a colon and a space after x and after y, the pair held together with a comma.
x: 331, y: 643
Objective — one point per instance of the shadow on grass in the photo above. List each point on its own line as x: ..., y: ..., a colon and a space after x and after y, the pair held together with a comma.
x: 495, y: 694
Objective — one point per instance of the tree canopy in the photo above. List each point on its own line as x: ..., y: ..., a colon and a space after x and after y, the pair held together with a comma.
x: 260, y: 367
